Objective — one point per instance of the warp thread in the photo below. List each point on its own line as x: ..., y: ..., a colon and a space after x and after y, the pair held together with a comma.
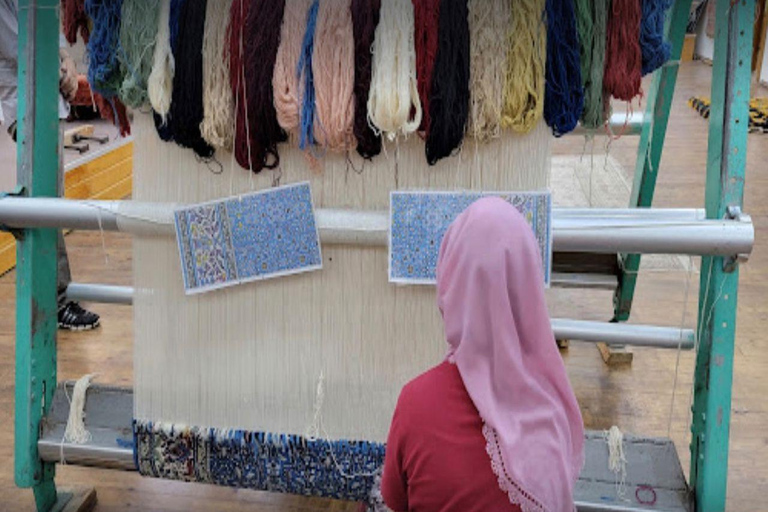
x: 394, y: 107
x: 333, y: 70
x: 138, y: 33
x: 592, y: 23
x: 285, y: 80
x: 488, y: 22
x: 564, y: 93
x: 624, y: 60
x: 238, y: 13
x: 449, y: 98
x: 617, y: 461
x: 104, y: 72
x: 216, y: 127
x: 426, y: 19
x: 305, y: 71
x: 261, y: 40
x: 75, y: 431
x: 525, y: 68
x: 74, y: 19
x: 187, y: 102
x: 365, y: 19
x: 655, y: 49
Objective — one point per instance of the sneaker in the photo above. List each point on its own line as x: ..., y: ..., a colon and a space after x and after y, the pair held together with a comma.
x: 74, y: 318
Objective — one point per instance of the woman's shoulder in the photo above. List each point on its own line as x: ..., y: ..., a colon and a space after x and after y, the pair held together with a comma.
x: 430, y: 385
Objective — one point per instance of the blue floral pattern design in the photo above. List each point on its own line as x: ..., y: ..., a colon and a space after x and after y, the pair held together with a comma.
x: 419, y: 220
x: 343, y: 470
x: 257, y: 236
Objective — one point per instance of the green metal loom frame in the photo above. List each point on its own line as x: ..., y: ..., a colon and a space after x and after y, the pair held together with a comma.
x: 38, y: 154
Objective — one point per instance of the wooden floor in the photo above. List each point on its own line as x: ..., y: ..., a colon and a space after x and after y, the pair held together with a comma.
x: 637, y: 399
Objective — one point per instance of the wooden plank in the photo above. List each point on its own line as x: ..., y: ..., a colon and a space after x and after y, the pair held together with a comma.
x: 85, y: 171
x: 92, y: 187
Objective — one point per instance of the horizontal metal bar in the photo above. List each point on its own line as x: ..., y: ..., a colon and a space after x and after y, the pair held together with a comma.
x: 623, y: 334
x: 642, y: 231
x: 101, y: 293
x: 576, y: 330
x: 584, y: 280
x: 619, y: 123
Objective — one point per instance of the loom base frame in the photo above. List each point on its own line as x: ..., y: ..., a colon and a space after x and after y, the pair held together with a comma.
x: 654, y: 461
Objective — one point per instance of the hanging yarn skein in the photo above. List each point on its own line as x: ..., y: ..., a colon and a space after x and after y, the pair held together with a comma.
x: 74, y: 19
x: 138, y: 32
x: 285, y: 80
x: 449, y: 98
x: 216, y: 127
x: 163, y: 121
x: 426, y: 19
x: 488, y: 22
x: 564, y: 94
x: 104, y: 72
x: 525, y: 67
x: 238, y: 13
x: 160, y: 82
x: 187, y: 103
x: 333, y: 68
x: 655, y: 49
x: 624, y: 60
x: 365, y: 19
x: 592, y: 22
x: 305, y: 71
x: 261, y: 36
x: 394, y: 107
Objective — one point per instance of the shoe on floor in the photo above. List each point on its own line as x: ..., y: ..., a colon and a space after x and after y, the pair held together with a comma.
x: 74, y: 318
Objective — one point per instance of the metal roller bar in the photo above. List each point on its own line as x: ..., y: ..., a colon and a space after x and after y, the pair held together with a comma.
x: 577, y: 330
x: 642, y: 231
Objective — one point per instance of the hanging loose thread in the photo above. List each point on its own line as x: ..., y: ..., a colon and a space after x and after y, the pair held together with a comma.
x: 285, y: 80
x: 488, y: 22
x: 138, y: 32
x: 426, y: 19
x: 74, y: 19
x: 187, y: 103
x: 333, y: 69
x: 216, y: 127
x: 305, y: 70
x: 104, y: 73
x: 592, y: 23
x: 365, y: 19
x: 261, y: 40
x: 449, y: 99
x: 394, y: 107
x: 624, y: 62
x: 655, y: 49
x: 238, y: 13
x: 564, y: 95
x: 525, y: 67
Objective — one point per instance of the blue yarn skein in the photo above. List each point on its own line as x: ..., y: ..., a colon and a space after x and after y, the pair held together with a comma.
x: 564, y: 94
x: 304, y: 69
x: 656, y: 50
x: 104, y: 74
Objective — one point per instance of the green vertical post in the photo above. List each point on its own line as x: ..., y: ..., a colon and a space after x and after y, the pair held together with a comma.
x: 659, y: 102
x: 728, y: 127
x: 36, y: 253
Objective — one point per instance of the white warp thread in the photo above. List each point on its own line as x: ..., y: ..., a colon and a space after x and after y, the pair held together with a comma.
x: 160, y: 83
x: 617, y: 461
x: 76, y: 432
x: 394, y: 92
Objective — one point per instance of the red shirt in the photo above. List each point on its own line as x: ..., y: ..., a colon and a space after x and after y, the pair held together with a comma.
x: 436, y: 459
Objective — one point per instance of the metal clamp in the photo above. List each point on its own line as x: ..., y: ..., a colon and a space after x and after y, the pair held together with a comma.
x: 732, y: 262
x: 18, y: 234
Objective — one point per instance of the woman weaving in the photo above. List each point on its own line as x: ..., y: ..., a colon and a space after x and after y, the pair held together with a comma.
x: 496, y: 427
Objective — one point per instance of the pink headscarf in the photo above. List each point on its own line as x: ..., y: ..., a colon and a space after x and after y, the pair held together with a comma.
x: 491, y: 294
